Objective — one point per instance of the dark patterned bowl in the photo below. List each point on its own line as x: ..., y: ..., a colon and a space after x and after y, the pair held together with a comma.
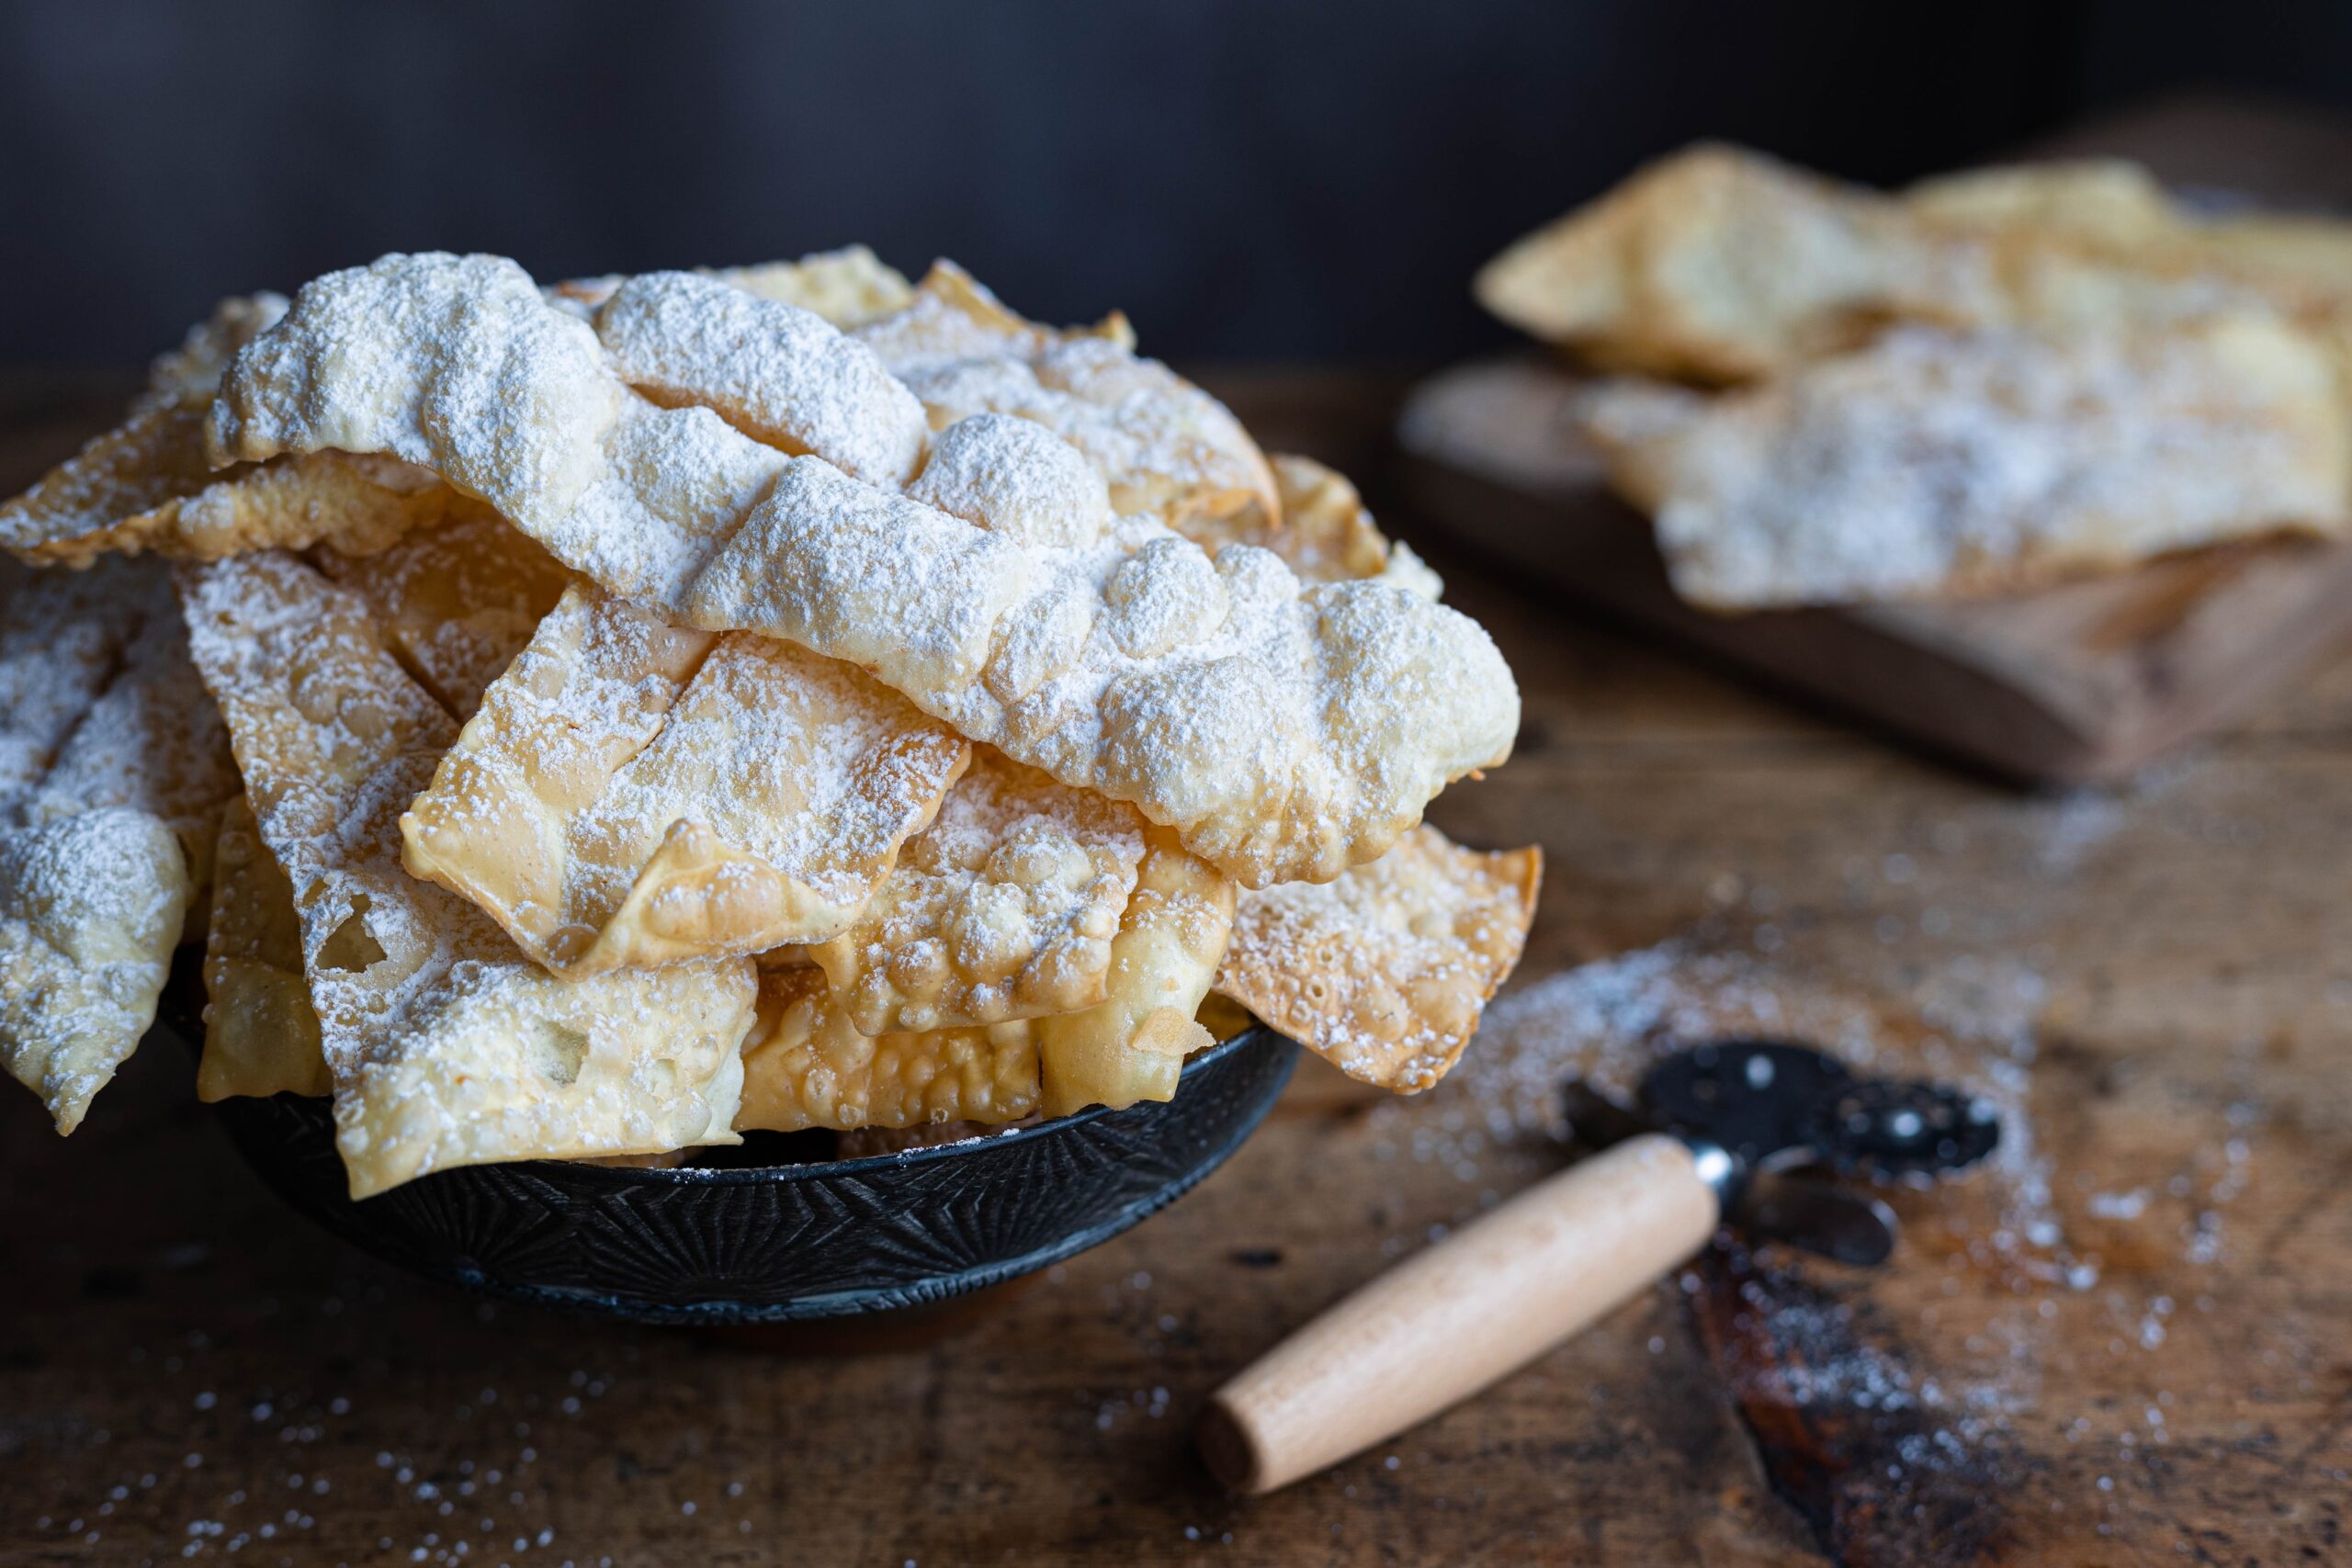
x: 768, y: 1236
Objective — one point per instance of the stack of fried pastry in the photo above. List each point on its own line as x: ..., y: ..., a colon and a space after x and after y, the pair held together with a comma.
x: 1988, y: 382
x: 595, y: 721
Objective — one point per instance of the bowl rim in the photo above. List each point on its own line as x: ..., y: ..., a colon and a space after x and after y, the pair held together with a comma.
x: 802, y: 1170
x: 1253, y: 1064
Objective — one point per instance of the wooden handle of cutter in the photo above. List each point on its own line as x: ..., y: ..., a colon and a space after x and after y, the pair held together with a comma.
x: 1452, y: 1319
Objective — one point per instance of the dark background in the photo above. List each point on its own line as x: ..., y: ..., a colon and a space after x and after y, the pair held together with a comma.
x: 1247, y: 178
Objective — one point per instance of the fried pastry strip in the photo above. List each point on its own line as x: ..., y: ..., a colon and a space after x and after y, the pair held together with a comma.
x: 1132, y: 1044
x: 112, y: 769
x: 2107, y: 200
x: 781, y: 374
x: 357, y: 503
x: 808, y: 1065
x: 1123, y: 660
x: 146, y: 485
x: 1721, y: 265
x: 1325, y: 533
x: 849, y: 286
x: 458, y: 601
x: 631, y: 793
x: 74, y: 513
x: 91, y: 906
x: 1937, y: 463
x: 1004, y: 907
x: 951, y: 316
x: 1163, y: 446
x: 1002, y: 596
x: 1724, y: 264
x: 63, y: 636
x: 460, y: 598
x: 155, y: 455
x: 1384, y: 972
x: 151, y: 742
x: 261, y: 1035
x: 446, y: 1047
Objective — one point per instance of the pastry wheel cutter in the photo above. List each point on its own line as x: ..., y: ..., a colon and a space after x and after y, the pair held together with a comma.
x: 1758, y: 1135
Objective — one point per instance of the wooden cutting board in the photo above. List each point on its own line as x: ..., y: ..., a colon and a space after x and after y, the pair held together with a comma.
x: 2078, y: 683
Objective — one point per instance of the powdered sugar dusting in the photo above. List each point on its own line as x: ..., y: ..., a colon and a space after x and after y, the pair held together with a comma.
x: 1364, y: 700
x: 152, y: 741
x: 153, y: 457
x: 632, y: 793
x: 62, y: 639
x: 1325, y: 532
x: 459, y: 600
x: 1016, y: 478
x: 1164, y: 445
x: 94, y: 885
x: 1169, y: 448
x: 1384, y: 970
x: 1369, y: 699
x: 1004, y: 907
x: 780, y: 374
x: 1935, y: 461
x: 90, y: 908
x: 452, y: 362
x: 1967, y: 1021
x: 446, y: 1047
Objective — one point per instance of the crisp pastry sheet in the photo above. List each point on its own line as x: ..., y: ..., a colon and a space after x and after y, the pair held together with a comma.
x: 446, y: 1047
x: 1004, y: 907
x: 112, y: 769
x: 1324, y: 532
x: 632, y: 794
x: 1722, y: 264
x: 156, y: 455
x: 1385, y: 971
x: 91, y: 906
x: 1937, y: 463
x: 849, y: 288
x: 2109, y: 201
x: 146, y: 485
x: 261, y: 1035
x: 820, y: 688
x: 63, y: 636
x: 1164, y: 447
x: 356, y: 503
x: 460, y: 598
x: 1132, y: 1044
x: 455, y: 600
x: 806, y: 1065
x: 782, y: 374
x: 151, y: 740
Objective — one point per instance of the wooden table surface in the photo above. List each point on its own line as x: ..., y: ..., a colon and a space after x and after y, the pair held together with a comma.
x: 2125, y: 1343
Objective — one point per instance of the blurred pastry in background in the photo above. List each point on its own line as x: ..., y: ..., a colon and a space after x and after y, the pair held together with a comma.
x: 1825, y: 394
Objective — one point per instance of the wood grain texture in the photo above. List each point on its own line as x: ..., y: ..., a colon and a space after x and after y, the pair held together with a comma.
x: 182, y: 1363
x: 183, y: 1366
